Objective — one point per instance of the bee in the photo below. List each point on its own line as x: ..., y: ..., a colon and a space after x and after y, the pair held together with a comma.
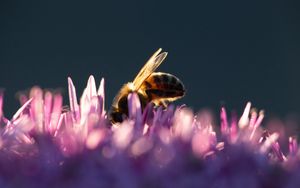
x: 157, y: 87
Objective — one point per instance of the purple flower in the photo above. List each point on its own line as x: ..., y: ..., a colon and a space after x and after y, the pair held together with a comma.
x: 43, y: 145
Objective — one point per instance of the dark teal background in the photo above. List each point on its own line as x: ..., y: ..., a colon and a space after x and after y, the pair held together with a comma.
x: 226, y: 52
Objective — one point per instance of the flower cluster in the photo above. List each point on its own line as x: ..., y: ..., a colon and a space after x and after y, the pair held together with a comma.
x: 43, y: 145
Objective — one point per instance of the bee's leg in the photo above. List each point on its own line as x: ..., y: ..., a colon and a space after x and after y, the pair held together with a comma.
x: 161, y: 102
x: 164, y: 103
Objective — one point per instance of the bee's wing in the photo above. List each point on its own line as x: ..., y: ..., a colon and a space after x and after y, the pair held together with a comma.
x: 155, y: 60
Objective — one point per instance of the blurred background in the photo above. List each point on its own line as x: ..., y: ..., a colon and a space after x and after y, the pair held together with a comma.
x: 226, y: 52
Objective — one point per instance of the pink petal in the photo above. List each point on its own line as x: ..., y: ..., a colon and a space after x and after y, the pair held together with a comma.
x: 47, y: 109
x: 183, y: 123
x: 101, y: 95
x: 95, y: 138
x: 269, y: 141
x: 91, y: 87
x: 257, y: 123
x: 59, y: 124
x: 147, y: 111
x: 134, y: 109
x: 167, y: 115
x: 17, y: 114
x: 293, y: 146
x: 224, y: 121
x: 252, y: 119
x: 1, y: 104
x: 123, y: 135
x: 233, y: 127
x: 155, y: 124
x: 74, y: 107
x: 85, y: 107
x: 37, y: 108
x: 244, y: 120
x: 23, y: 98
x: 56, y: 113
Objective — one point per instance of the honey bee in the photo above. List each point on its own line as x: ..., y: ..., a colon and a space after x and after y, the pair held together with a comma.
x: 157, y: 87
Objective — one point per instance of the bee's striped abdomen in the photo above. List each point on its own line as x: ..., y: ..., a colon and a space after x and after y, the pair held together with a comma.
x: 163, y: 85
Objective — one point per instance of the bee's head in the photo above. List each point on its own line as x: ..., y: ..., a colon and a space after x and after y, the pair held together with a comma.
x: 117, y: 117
x: 119, y: 110
x: 119, y: 113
